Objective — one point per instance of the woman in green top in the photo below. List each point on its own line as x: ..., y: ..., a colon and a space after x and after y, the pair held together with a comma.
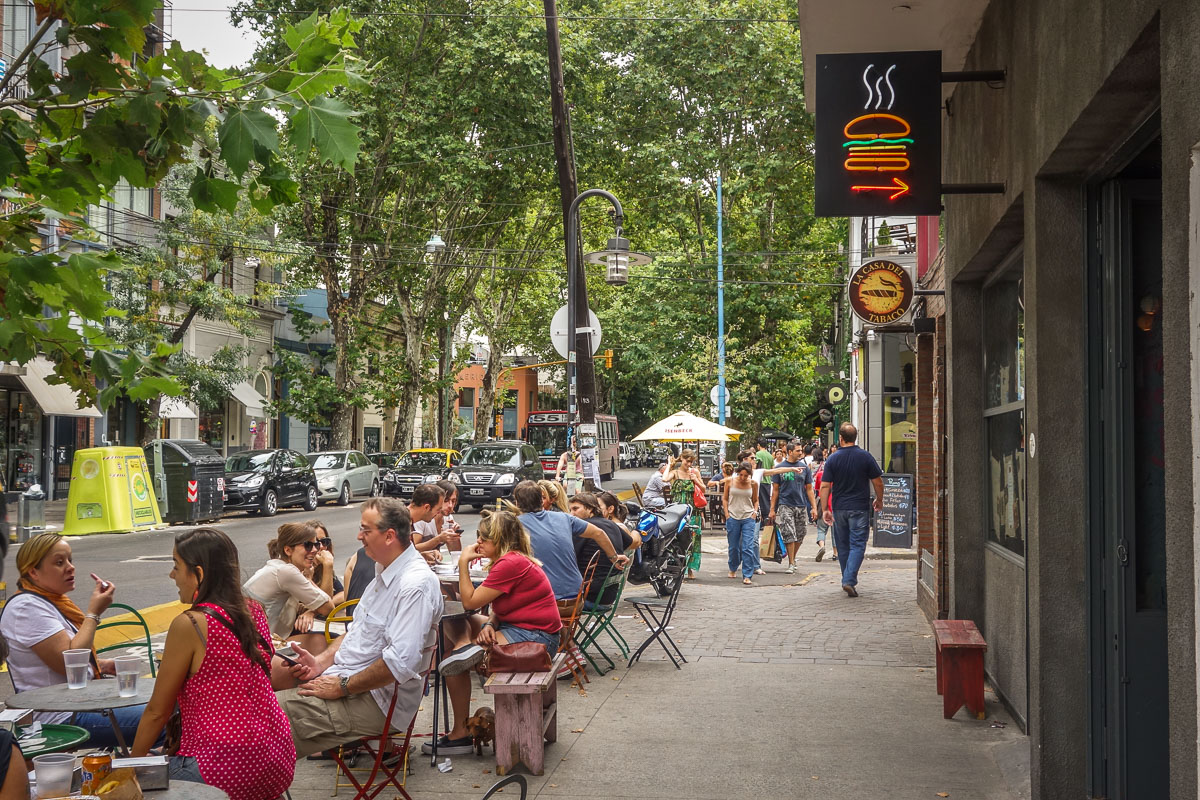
x: 683, y: 477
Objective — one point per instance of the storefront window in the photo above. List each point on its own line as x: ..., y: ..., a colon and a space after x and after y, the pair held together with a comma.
x: 25, y: 442
x: 1004, y: 412
x: 212, y: 428
x: 899, y: 405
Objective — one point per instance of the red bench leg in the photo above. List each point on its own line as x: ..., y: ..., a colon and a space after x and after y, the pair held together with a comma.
x: 960, y: 674
x: 939, y: 669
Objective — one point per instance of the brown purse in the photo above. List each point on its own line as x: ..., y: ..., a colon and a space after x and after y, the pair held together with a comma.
x: 518, y: 657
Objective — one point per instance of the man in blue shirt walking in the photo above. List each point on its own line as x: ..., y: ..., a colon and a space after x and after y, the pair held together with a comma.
x: 850, y: 475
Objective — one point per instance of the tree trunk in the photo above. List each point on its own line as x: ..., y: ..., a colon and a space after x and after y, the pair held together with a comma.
x: 149, y: 426
x: 484, y: 424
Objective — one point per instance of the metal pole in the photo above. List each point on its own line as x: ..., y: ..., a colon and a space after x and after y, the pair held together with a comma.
x: 720, y: 312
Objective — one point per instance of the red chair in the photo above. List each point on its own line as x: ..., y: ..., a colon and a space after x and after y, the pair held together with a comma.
x: 382, y: 748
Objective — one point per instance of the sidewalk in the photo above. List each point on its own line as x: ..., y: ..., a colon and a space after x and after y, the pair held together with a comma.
x: 793, y: 690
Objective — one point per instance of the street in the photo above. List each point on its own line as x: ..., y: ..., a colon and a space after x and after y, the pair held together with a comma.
x: 138, y: 563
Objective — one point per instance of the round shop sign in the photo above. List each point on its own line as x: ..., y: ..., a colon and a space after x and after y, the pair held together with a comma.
x: 881, y: 292
x: 139, y: 487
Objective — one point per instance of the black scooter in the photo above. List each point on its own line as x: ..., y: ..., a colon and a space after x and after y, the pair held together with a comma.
x: 666, y: 539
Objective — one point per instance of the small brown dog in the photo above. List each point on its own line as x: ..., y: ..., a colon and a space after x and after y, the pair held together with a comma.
x: 482, y: 728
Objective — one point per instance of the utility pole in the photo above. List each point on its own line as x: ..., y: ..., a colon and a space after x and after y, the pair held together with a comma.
x: 720, y: 311
x: 581, y: 393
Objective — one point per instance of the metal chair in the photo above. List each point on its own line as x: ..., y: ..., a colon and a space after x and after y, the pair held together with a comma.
x: 499, y: 786
x: 335, y: 617
x: 378, y: 746
x: 665, y: 606
x: 599, y: 619
x: 138, y: 622
x: 566, y: 637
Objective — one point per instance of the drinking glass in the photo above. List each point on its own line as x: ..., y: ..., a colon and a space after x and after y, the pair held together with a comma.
x: 54, y: 772
x: 78, y: 664
x: 128, y: 669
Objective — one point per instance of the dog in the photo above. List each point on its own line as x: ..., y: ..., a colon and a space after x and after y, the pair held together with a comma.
x: 482, y: 728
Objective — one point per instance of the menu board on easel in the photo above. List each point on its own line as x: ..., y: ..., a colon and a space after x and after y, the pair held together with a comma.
x: 894, y: 522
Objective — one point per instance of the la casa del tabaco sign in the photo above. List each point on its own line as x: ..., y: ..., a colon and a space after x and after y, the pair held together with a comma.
x: 881, y: 292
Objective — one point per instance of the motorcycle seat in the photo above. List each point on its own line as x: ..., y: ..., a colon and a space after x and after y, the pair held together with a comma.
x: 673, y: 516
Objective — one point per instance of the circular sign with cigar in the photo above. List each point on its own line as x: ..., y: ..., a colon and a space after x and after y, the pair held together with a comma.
x: 881, y: 292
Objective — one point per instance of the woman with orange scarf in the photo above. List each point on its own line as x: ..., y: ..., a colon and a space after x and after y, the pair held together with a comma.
x: 40, y: 621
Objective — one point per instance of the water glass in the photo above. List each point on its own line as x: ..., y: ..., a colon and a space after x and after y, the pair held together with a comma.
x: 78, y: 664
x: 54, y: 772
x: 128, y: 669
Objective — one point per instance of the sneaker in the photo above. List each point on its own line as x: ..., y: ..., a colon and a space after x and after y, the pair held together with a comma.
x: 450, y: 747
x: 849, y: 590
x: 791, y: 570
x: 821, y: 553
x: 461, y: 660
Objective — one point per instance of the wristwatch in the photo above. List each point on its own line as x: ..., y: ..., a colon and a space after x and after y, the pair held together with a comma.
x: 344, y: 682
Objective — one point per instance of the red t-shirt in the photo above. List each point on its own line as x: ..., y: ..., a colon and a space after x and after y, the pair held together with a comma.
x: 817, y: 489
x: 527, y: 601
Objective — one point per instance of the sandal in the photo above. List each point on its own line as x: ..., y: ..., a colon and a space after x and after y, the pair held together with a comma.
x: 746, y: 582
x: 733, y: 574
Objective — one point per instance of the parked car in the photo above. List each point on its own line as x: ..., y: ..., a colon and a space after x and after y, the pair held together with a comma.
x: 422, y: 465
x: 659, y: 454
x: 639, y: 455
x: 384, y: 460
x: 267, y: 480
x: 625, y: 454
x: 489, y: 471
x: 342, y: 474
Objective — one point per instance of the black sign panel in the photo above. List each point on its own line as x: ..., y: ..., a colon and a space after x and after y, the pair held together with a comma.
x: 894, y: 522
x: 879, y: 134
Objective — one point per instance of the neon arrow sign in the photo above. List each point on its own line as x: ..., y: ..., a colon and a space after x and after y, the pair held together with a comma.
x: 898, y: 188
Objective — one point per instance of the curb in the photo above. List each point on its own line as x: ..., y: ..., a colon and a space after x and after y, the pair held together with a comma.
x: 158, y: 619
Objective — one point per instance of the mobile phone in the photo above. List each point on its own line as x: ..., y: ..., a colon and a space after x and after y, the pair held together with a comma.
x: 288, y: 655
x: 103, y: 583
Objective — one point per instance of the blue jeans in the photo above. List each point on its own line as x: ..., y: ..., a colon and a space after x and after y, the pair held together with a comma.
x: 743, y: 544
x: 850, y: 530
x: 101, y: 729
x: 516, y: 634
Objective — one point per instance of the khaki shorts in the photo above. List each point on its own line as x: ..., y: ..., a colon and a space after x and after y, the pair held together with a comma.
x: 319, y: 725
x: 791, y: 521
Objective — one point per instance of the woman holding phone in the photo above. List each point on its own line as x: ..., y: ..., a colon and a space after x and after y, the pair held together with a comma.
x: 216, y: 666
x: 41, y: 622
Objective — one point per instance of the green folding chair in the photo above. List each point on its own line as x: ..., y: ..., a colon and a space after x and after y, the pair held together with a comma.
x: 138, y: 622
x: 599, y: 619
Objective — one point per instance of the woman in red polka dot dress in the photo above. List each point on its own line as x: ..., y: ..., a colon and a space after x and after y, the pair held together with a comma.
x: 216, y: 665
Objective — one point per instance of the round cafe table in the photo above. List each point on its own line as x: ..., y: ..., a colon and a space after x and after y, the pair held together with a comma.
x: 185, y: 790
x: 99, y: 695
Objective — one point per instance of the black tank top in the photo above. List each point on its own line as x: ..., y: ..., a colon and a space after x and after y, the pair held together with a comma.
x: 363, y: 574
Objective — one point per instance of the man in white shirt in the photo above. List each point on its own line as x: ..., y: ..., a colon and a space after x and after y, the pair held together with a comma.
x: 655, y: 493
x: 347, y: 689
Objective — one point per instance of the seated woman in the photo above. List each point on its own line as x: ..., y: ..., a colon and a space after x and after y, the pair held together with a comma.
x: 612, y: 509
x: 323, y: 573
x: 523, y: 609
x: 283, y: 589
x: 555, y: 496
x: 40, y: 622
x: 216, y: 665
x: 587, y: 507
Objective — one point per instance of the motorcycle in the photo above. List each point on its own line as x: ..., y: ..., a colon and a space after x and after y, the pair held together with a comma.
x: 666, y: 539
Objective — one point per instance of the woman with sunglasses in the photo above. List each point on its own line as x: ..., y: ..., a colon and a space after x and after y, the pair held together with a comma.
x: 323, y: 573
x: 285, y: 591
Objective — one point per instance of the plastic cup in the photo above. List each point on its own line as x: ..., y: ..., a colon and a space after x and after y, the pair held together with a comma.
x: 54, y: 773
x: 78, y: 664
x: 128, y: 669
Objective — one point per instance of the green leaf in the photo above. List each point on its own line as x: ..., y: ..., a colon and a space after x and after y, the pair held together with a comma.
x: 241, y: 131
x: 210, y: 194
x: 326, y: 123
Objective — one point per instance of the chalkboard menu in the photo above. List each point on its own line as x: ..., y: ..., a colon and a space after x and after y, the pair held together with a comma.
x: 894, y: 522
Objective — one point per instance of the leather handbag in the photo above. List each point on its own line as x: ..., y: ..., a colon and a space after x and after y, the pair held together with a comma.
x: 698, y: 498
x: 518, y: 657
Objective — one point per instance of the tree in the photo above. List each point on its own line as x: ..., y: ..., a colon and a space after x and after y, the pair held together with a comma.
x: 66, y: 139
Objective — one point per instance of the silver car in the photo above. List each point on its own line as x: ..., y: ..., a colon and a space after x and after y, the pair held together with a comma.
x: 342, y: 474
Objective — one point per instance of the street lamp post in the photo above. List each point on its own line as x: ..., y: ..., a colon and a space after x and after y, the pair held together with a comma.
x: 581, y: 409
x: 433, y: 247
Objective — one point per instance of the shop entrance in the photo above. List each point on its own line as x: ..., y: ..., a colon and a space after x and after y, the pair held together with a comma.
x: 1128, y: 594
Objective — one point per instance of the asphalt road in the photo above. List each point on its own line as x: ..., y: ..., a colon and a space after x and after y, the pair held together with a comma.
x: 139, y: 563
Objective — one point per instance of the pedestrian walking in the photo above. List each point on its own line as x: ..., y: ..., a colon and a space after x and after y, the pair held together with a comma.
x: 850, y: 475
x: 819, y: 517
x: 570, y: 471
x: 792, y: 501
x: 740, y: 498
x: 684, y: 478
x: 765, y: 462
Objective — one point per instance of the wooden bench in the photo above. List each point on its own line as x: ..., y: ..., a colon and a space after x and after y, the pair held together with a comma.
x: 526, y: 716
x: 960, y: 649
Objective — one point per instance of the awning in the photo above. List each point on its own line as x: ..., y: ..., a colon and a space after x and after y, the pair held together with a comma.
x: 56, y: 398
x: 175, y: 408
x: 248, y: 396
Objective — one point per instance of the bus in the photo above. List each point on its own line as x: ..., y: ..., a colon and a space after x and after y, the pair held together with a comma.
x: 547, y: 432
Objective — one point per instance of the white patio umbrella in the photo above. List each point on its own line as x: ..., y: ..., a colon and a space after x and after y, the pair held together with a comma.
x: 684, y: 427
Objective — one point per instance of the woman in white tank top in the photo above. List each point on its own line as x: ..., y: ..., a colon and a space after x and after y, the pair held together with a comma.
x: 741, y: 521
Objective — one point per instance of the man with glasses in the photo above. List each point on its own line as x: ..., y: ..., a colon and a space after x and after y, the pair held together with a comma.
x: 347, y: 689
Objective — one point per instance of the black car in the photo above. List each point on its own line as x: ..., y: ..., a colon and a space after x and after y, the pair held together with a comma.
x: 383, y: 460
x: 267, y: 480
x: 425, y: 465
x: 489, y: 471
x: 659, y: 455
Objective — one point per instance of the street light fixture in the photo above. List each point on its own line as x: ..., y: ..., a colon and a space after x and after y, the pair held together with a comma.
x: 618, y: 258
x: 435, y: 245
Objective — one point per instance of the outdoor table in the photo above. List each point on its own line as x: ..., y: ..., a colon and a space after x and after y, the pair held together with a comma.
x: 99, y: 695
x: 453, y: 610
x: 185, y: 790
x: 58, y: 738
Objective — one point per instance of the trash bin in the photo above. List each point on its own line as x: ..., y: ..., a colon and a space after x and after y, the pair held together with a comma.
x: 189, y: 479
x: 31, y: 513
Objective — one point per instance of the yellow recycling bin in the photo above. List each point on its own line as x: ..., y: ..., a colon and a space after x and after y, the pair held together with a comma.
x: 110, y: 492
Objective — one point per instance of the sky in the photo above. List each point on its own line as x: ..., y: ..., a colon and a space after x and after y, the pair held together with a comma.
x: 205, y: 25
